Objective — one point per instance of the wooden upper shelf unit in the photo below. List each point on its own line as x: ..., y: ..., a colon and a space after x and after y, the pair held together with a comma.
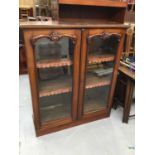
x: 107, y: 3
x: 105, y: 10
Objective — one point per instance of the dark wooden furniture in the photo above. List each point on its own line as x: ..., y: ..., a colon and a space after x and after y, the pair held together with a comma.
x: 73, y: 65
x: 120, y: 97
x: 105, y: 10
x: 129, y: 48
x: 22, y: 55
x: 130, y: 12
x: 22, y: 60
x: 24, y: 12
x: 124, y: 91
x: 129, y: 91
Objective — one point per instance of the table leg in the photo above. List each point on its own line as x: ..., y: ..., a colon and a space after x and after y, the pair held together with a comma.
x: 128, y: 100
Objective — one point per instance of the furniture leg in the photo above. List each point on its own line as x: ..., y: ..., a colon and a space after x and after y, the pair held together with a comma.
x: 128, y: 100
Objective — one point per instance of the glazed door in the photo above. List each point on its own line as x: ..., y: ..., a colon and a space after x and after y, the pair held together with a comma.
x: 54, y: 72
x: 100, y: 55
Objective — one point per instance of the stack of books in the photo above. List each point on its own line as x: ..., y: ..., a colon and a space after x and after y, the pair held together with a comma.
x: 129, y: 62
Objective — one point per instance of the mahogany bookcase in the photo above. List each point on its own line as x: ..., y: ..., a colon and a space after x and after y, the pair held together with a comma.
x: 73, y: 63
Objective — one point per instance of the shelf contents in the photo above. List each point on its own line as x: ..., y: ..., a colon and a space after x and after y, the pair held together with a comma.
x: 129, y: 62
x: 101, y: 72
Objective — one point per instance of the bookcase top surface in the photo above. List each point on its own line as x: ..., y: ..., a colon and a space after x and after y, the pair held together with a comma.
x: 106, y: 3
x: 71, y: 24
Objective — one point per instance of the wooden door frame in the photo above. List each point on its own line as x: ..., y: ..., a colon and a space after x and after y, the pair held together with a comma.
x: 83, y: 62
x: 32, y: 70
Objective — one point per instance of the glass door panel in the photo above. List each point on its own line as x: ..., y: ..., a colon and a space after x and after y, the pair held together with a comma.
x: 54, y: 63
x: 102, y: 50
x: 98, y: 80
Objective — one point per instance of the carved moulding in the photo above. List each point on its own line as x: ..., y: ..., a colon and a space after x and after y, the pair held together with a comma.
x: 105, y: 35
x: 54, y: 36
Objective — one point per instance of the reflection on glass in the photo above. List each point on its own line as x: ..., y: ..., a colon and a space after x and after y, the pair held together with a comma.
x: 105, y: 45
x: 46, y: 49
x: 98, y: 80
x: 101, y: 55
x: 55, y: 68
x: 55, y: 107
x: 96, y: 98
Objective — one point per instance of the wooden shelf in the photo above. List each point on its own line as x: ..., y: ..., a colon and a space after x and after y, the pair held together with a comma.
x: 64, y: 85
x: 53, y: 87
x: 107, y: 3
x: 93, y: 81
x: 131, y: 52
x: 98, y: 59
x: 53, y: 63
x: 67, y: 62
x: 127, y: 71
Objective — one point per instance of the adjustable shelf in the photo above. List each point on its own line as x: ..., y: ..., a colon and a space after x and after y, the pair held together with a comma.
x: 93, y: 81
x: 64, y: 85
x: 55, y: 87
x: 58, y: 110
x: 99, y: 59
x: 53, y: 63
x: 67, y: 62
